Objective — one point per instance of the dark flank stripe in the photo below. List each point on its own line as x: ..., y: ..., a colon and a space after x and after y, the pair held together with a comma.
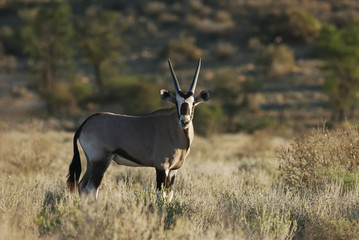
x: 122, y: 153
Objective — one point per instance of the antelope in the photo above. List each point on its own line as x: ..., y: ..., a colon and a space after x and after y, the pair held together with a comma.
x: 161, y: 139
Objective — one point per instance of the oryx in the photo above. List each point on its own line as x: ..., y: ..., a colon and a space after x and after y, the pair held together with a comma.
x: 161, y: 139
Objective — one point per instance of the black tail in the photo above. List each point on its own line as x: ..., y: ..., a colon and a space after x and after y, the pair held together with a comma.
x: 75, y: 166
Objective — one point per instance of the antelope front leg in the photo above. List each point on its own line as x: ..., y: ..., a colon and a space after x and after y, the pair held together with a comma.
x: 170, y: 182
x: 165, y: 180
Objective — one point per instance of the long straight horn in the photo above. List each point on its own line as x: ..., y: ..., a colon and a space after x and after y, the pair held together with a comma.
x: 195, y: 78
x: 175, y: 81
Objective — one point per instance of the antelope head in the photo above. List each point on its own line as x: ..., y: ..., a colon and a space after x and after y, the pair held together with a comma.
x: 185, y: 102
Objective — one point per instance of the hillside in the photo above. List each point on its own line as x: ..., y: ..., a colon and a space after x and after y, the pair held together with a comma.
x: 232, y: 38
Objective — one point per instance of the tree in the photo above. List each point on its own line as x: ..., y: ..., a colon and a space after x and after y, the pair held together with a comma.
x: 276, y: 60
x: 98, y: 37
x: 46, y: 39
x: 234, y: 94
x: 291, y: 25
x: 340, y: 50
x: 228, y: 89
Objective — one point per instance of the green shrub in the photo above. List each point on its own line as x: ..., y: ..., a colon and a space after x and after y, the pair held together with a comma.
x: 47, y: 40
x: 339, y: 49
x: 235, y: 93
x: 227, y: 89
x: 331, y: 229
x: 8, y: 62
x: 276, y: 60
x: 200, y: 9
x: 50, y: 218
x: 82, y: 90
x: 61, y: 100
x: 136, y: 97
x: 169, y: 19
x: 209, y: 119
x: 220, y: 24
x: 292, y: 25
x: 223, y: 50
x: 249, y: 89
x: 255, y: 43
x: 98, y: 39
x: 347, y: 179
x: 173, y: 211
x: 155, y: 8
x: 183, y: 48
x: 68, y: 96
x: 252, y: 125
x: 9, y: 40
x: 321, y: 156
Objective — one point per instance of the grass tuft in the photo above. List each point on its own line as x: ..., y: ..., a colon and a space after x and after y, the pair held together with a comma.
x: 229, y: 188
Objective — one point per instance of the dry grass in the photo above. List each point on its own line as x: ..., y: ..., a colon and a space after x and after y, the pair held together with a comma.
x: 229, y: 188
x: 322, y: 156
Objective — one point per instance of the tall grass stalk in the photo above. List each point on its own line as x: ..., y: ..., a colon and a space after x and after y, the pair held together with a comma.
x: 224, y: 191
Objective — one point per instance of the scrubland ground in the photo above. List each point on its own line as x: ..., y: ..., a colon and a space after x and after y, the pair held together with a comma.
x: 231, y: 187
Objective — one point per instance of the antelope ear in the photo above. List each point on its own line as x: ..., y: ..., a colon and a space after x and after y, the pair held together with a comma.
x: 202, y: 97
x: 166, y: 95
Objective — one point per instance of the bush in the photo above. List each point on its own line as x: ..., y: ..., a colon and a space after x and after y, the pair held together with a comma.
x: 328, y: 228
x: 155, y: 8
x: 249, y: 89
x: 67, y: 97
x: 169, y: 19
x: 255, y: 43
x: 219, y: 24
x: 47, y: 41
x: 253, y: 125
x: 200, y: 9
x: 8, y: 39
x: 8, y: 62
x: 227, y: 89
x: 61, y: 100
x: 321, y: 156
x: 136, y: 97
x: 292, y: 25
x: 235, y: 93
x: 224, y: 50
x: 82, y: 90
x: 182, y: 48
x: 209, y: 119
x: 276, y: 60
x: 339, y: 49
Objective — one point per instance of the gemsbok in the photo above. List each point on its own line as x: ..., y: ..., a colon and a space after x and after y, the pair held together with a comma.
x: 161, y: 139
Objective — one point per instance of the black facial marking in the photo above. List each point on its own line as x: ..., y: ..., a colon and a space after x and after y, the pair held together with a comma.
x: 165, y: 95
x: 185, y: 109
x: 185, y: 95
x: 204, y: 96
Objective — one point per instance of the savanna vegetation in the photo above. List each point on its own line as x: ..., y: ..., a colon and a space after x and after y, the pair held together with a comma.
x: 263, y: 165
x: 267, y: 63
x: 231, y: 187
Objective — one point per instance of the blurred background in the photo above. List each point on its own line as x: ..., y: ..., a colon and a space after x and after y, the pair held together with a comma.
x: 281, y: 65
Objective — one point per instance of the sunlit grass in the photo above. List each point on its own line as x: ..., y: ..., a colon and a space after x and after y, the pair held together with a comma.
x: 229, y: 188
